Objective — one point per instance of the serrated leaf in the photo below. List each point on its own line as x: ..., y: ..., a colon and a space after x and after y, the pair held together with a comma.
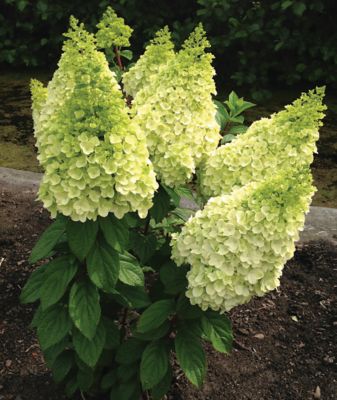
x: 103, y: 266
x: 191, y: 356
x: 159, y: 391
x: 89, y: 350
x: 52, y: 352
x: 218, y: 331
x: 115, y: 232
x: 155, y: 315
x: 81, y: 237
x: 154, y: 364
x: 37, y: 317
x: 62, y: 365
x: 57, y: 277
x: 53, y: 326
x: 134, y: 296
x: 112, y: 337
x: 185, y: 310
x: 31, y: 291
x: 154, y: 334
x: 143, y: 246
x: 126, y: 54
x: 84, y: 307
x: 173, y: 278
x: 130, y: 351
x: 221, y: 115
x: 130, y: 271
x: 71, y: 387
x: 237, y: 129
x: 173, y: 195
x: 48, y: 240
x: 227, y: 138
x: 161, y: 205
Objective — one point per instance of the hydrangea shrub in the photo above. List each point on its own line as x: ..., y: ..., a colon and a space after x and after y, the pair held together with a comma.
x: 126, y: 277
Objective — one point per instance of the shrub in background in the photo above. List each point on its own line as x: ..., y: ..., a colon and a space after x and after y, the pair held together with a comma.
x: 130, y: 280
x: 251, y: 39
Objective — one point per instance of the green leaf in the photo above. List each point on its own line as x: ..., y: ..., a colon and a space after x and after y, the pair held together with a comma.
x: 84, y: 307
x: 81, y: 237
x: 221, y: 115
x: 155, y: 315
x: 143, y: 246
x: 112, y: 337
x: 183, y: 213
x: 218, y: 331
x: 126, y: 54
x: 31, y: 290
x: 130, y: 351
x: 57, y: 277
x: 130, y: 271
x: 115, y: 232
x: 173, y: 278
x: 299, y: 8
x: 126, y: 391
x: 103, y: 266
x: 154, y: 364
x: 62, y: 365
x: 89, y: 350
x: 85, y: 379
x: 185, y: 310
x: 154, y: 334
x: 48, y: 240
x: 71, y: 387
x: 238, y: 129
x: 37, y: 317
x: 161, y: 205
x: 227, y: 138
x: 135, y: 296
x: 159, y: 391
x: 109, y: 379
x: 53, y: 326
x: 126, y: 372
x: 52, y: 352
x: 191, y: 356
x: 172, y: 193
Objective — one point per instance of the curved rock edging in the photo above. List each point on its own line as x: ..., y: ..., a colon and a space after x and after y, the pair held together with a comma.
x: 320, y: 224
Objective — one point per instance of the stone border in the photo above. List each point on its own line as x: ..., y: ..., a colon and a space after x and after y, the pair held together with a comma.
x: 320, y: 224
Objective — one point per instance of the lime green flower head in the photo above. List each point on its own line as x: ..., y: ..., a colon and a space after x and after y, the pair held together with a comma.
x: 39, y: 96
x: 288, y: 138
x: 177, y: 113
x: 95, y: 158
x: 155, y: 58
x: 112, y: 31
x: 238, y: 244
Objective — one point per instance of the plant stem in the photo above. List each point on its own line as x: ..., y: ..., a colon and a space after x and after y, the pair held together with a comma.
x: 119, y: 60
x: 123, y: 322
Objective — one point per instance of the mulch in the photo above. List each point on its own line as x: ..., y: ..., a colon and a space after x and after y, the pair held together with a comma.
x: 285, y: 343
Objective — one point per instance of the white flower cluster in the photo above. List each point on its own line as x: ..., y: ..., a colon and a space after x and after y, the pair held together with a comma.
x: 286, y: 139
x: 238, y: 244
x: 176, y: 112
x: 156, y: 57
x: 95, y: 158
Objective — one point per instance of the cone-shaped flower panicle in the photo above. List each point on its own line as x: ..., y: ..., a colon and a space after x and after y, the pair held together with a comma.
x: 112, y: 31
x: 95, y: 158
x: 156, y: 57
x: 238, y: 244
x: 287, y: 138
x: 177, y: 113
x: 39, y: 96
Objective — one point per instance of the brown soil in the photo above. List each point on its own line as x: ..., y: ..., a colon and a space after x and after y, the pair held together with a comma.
x: 286, y: 342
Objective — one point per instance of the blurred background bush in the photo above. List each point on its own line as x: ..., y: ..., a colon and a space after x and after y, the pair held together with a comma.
x: 258, y: 44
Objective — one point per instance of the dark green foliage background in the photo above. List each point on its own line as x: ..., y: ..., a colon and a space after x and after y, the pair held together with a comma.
x: 258, y: 44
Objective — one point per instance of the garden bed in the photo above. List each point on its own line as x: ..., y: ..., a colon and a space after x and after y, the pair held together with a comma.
x: 286, y: 342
